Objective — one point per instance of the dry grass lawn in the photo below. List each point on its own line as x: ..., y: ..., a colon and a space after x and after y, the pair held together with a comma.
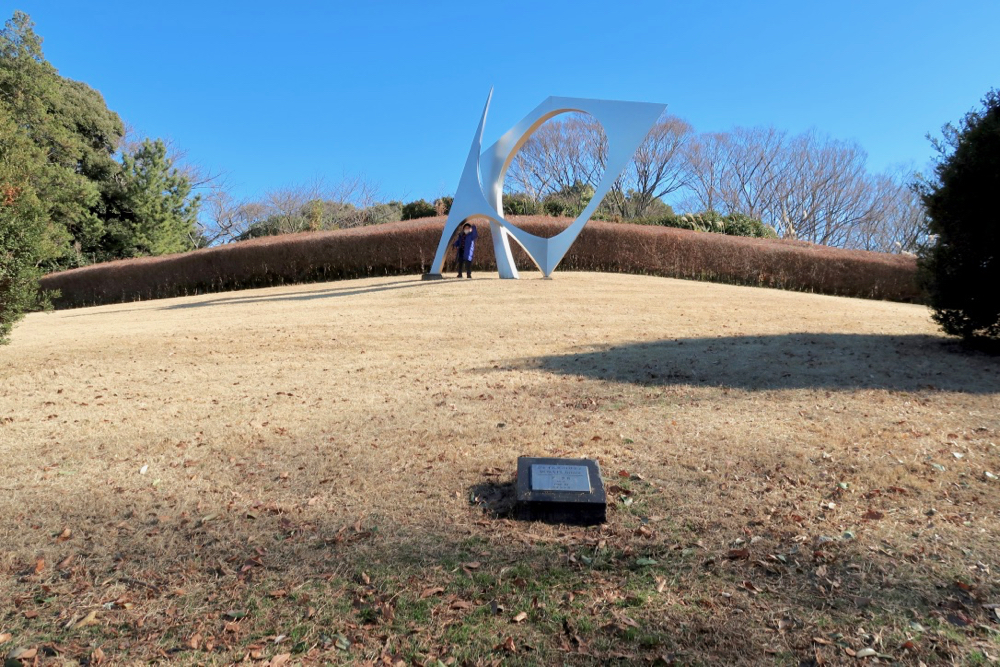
x: 320, y: 473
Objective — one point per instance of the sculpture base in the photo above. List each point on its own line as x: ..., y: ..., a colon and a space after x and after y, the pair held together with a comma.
x: 432, y: 276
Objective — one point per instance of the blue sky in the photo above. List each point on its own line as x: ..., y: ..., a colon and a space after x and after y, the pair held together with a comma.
x: 277, y: 94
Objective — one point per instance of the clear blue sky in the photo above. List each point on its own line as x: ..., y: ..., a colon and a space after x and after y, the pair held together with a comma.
x: 280, y: 93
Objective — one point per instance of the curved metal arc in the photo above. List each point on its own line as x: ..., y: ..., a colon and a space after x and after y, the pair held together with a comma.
x: 620, y: 151
x: 626, y: 126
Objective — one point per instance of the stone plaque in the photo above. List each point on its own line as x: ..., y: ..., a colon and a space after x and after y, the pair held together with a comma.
x: 559, y: 478
x: 560, y: 491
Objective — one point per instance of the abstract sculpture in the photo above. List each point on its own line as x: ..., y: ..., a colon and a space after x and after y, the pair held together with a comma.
x: 480, y: 189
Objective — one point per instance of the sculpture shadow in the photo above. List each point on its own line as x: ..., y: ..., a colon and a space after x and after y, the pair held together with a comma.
x: 326, y: 293
x: 830, y: 361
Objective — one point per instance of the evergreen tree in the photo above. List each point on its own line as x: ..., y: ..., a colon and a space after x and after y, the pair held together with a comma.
x: 95, y: 207
x: 961, y: 265
x: 69, y: 122
x: 24, y: 241
x: 147, y: 209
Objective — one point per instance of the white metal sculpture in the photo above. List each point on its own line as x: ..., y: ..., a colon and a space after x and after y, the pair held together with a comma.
x: 480, y: 189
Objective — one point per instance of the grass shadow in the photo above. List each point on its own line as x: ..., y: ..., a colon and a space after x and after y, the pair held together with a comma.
x: 830, y: 361
x: 496, y: 499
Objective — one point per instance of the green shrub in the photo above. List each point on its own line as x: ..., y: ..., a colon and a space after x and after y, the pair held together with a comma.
x: 378, y: 214
x: 418, y: 209
x: 960, y: 269
x: 734, y: 224
x: 740, y: 224
x: 555, y: 208
x: 569, y: 201
x: 520, y: 203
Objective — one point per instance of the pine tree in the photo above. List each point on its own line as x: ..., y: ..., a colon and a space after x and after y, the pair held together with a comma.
x: 148, y: 209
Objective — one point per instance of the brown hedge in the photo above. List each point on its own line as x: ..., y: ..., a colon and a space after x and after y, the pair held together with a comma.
x: 408, y: 248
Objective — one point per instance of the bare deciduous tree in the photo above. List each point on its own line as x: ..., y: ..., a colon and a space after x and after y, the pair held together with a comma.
x: 657, y: 169
x: 352, y: 202
x: 561, y: 153
x: 807, y: 187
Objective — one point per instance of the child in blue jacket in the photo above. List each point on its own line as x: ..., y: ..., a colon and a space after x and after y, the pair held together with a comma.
x: 466, y: 244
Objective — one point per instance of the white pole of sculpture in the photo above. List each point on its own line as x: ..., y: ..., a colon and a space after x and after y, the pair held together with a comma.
x: 625, y: 124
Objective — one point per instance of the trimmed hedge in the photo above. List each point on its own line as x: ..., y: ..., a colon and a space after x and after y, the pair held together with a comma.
x: 408, y: 248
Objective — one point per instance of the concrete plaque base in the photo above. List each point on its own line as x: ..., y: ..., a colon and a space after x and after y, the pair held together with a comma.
x: 560, y: 491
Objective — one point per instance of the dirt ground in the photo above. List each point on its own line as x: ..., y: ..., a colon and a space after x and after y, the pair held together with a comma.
x: 320, y: 473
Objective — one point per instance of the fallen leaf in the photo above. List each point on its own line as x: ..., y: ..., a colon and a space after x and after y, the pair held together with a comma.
x: 506, y: 645
x: 365, y: 579
x: 89, y: 619
x: 195, y: 641
x: 628, y: 621
x: 143, y: 469
x: 280, y: 593
x: 5, y: 637
x: 474, y: 565
x: 661, y: 584
x: 740, y: 554
x: 31, y: 614
x: 66, y: 562
x: 461, y: 604
x: 65, y: 535
x: 39, y: 565
x: 520, y: 617
x: 428, y: 592
x: 22, y: 654
x: 821, y: 641
x: 872, y: 515
x: 97, y: 656
x: 280, y: 659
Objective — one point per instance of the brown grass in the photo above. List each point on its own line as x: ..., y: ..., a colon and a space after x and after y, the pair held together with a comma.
x: 408, y: 248
x: 289, y: 470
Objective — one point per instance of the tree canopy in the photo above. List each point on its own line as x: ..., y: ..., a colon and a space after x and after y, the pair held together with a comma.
x: 69, y: 194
